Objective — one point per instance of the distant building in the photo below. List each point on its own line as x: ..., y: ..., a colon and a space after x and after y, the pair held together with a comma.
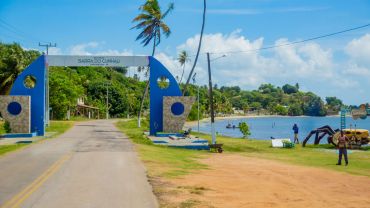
x: 238, y: 111
x: 85, y: 110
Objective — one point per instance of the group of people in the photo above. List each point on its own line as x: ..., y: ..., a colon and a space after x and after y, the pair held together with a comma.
x: 342, y: 144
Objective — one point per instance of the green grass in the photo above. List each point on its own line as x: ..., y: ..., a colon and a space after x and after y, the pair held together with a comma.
x: 170, y: 162
x: 2, y: 130
x: 323, y: 156
x: 57, y: 127
x: 161, y: 161
x: 9, y: 148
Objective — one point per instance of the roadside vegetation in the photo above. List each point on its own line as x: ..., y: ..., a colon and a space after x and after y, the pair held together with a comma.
x: 59, y: 127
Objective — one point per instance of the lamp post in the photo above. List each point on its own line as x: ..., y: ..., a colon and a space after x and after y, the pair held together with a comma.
x: 197, y: 98
x: 213, y: 133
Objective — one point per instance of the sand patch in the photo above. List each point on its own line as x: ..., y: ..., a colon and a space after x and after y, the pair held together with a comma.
x: 238, y: 181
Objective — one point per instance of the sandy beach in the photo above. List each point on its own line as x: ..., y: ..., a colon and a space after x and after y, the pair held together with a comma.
x: 189, y: 124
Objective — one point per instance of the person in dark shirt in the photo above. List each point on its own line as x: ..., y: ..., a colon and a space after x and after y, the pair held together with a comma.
x: 296, y: 130
x: 342, y: 147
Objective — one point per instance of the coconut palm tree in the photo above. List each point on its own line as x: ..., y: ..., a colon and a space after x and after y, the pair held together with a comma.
x: 183, y: 59
x: 150, y: 22
x: 199, y: 46
x: 12, y: 62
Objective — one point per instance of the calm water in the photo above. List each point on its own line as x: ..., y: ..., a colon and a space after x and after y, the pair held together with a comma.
x: 280, y: 127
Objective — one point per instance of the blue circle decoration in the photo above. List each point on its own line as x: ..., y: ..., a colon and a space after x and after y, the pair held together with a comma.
x: 177, y: 108
x: 14, y: 108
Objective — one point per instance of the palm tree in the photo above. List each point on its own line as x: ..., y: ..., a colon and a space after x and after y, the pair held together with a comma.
x: 13, y: 60
x: 183, y: 58
x: 150, y: 22
x: 199, y: 46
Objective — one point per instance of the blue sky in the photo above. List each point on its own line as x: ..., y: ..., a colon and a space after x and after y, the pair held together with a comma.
x: 334, y: 66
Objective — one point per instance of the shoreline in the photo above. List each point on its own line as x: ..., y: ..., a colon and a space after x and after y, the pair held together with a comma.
x: 189, y: 124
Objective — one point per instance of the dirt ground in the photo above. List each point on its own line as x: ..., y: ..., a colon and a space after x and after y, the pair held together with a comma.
x: 238, y: 181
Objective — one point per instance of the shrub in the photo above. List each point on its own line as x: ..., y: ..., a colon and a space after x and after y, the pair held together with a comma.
x: 7, y: 127
x: 244, y: 129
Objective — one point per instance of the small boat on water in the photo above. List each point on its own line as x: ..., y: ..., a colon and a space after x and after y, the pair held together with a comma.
x: 230, y: 126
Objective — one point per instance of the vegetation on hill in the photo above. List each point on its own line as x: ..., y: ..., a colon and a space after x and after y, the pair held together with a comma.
x: 67, y: 84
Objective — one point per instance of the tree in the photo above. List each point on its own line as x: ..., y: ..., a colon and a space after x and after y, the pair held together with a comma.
x: 244, y: 129
x: 64, y: 91
x: 151, y: 24
x: 280, y: 110
x: 199, y: 46
x: 183, y: 59
x: 314, y: 106
x: 295, y: 109
x: 334, y: 102
x: 289, y: 89
x: 12, y: 62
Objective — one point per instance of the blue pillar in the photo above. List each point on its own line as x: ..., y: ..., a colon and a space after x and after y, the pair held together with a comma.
x: 37, y: 70
x: 157, y: 70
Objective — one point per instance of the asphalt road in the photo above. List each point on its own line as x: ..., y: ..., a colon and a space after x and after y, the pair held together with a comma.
x: 91, y: 165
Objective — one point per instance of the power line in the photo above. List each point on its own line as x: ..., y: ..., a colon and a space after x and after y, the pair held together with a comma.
x: 17, y: 31
x: 292, y: 43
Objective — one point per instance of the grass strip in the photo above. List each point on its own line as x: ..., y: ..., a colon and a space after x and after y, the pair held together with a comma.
x: 161, y: 161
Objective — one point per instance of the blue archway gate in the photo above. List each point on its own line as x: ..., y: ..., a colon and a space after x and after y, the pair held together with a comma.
x: 38, y: 72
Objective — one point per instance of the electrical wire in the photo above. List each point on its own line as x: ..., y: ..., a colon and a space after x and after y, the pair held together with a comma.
x: 291, y: 43
x: 14, y: 30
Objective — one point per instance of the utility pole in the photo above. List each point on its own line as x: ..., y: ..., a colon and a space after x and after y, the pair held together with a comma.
x: 49, y: 45
x: 107, y: 114
x: 211, y: 101
x: 47, y: 112
x: 198, y: 98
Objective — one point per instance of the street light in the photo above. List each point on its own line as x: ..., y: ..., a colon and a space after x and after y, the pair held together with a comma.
x: 211, y: 97
x: 224, y: 55
x: 198, y: 98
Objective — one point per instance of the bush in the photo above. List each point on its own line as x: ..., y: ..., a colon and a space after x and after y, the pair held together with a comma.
x: 7, y: 127
x: 244, y: 129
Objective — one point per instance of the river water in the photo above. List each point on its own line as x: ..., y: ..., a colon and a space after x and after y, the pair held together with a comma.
x: 280, y: 127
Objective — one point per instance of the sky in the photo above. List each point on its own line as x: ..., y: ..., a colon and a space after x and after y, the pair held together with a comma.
x: 333, y: 66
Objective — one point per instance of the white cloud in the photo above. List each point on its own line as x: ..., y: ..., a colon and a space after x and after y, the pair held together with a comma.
x: 359, y: 50
x: 90, y: 48
x: 81, y: 49
x: 354, y: 69
x: 315, y: 68
x: 252, y: 68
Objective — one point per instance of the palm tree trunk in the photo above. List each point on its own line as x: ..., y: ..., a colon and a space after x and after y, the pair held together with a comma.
x: 199, y: 46
x: 182, y: 75
x: 146, y: 89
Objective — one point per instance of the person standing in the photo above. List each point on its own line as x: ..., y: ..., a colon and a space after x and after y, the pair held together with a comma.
x: 342, y: 147
x: 296, y: 130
